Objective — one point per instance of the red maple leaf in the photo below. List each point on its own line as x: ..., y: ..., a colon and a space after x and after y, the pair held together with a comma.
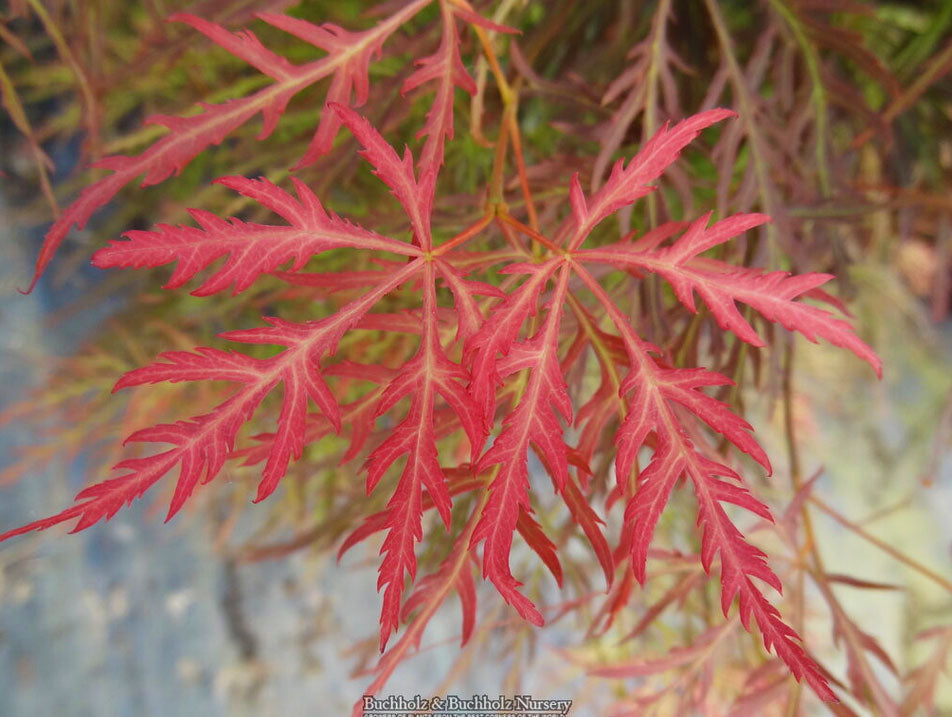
x: 489, y: 373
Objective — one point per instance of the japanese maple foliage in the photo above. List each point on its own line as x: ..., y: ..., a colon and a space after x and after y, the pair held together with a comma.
x: 489, y: 381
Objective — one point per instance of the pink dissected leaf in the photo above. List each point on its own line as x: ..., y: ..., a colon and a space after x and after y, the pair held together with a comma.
x: 449, y: 576
x: 377, y: 522
x: 296, y: 369
x: 532, y: 423
x: 243, y: 44
x: 699, y: 237
x: 202, y: 444
x: 649, y: 379
x: 498, y: 334
x: 414, y: 437
x: 577, y: 200
x: 469, y: 317
x: 430, y: 586
x: 351, y: 80
x: 425, y: 377
x: 205, y: 364
x: 535, y: 537
x: 682, y: 386
x: 428, y: 374
x: 676, y: 457
x: 251, y: 249
x: 588, y: 520
x: 447, y: 69
x: 324, y: 335
x: 357, y: 416
x: 547, y: 390
x: 772, y: 294
x: 300, y: 384
x: 828, y: 298
x: 628, y: 183
x: 595, y: 415
x: 605, y: 404
x: 189, y: 136
x: 395, y: 172
x: 370, y: 525
x: 499, y: 525
x: 404, y: 531
x: 644, y: 509
x: 739, y: 562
